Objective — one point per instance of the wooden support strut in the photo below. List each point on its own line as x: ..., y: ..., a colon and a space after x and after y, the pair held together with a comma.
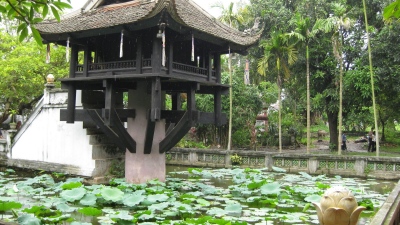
x: 176, y: 134
x: 116, y: 133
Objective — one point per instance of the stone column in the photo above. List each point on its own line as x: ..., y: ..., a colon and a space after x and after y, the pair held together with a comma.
x: 140, y: 167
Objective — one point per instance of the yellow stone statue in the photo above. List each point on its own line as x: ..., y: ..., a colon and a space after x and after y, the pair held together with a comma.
x: 338, y: 207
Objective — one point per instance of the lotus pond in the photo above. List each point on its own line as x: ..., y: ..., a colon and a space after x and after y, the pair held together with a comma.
x: 190, y: 196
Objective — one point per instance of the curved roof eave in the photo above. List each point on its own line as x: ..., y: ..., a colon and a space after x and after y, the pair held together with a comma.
x: 184, y: 12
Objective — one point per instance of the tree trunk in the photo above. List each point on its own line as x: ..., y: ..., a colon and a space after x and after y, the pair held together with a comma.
x: 308, y: 103
x: 333, y: 129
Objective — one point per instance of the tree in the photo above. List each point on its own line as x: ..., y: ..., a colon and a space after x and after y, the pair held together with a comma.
x: 233, y: 20
x: 278, y: 50
x: 29, y: 12
x: 392, y: 11
x: 337, y: 23
x: 304, y: 33
x: 23, y: 73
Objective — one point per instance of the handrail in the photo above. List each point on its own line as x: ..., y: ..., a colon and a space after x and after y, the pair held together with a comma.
x: 145, y: 63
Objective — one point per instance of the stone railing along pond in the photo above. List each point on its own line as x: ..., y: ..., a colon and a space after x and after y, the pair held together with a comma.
x: 366, y: 167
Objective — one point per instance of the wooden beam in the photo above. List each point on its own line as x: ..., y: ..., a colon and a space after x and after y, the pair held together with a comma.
x: 148, y: 142
x: 209, y: 67
x: 191, y: 102
x: 176, y: 134
x: 155, y: 99
x: 71, y: 103
x: 86, y: 58
x: 123, y: 135
x: 109, y: 102
x: 82, y: 114
x: 139, y: 55
x: 182, y: 87
x: 95, y: 116
x: 176, y: 101
x: 156, y: 55
x: 171, y: 57
x: 73, y: 61
x: 217, y: 65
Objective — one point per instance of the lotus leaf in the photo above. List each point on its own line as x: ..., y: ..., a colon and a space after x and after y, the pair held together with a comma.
x: 90, y: 211
x: 112, y: 194
x: 278, y: 170
x: 28, y: 219
x: 133, y: 200
x: 234, y: 209
x: 122, y: 215
x: 157, y: 198
x: 203, y: 202
x: 105, y: 220
x: 5, y: 206
x: 74, y: 194
x: 88, y: 199
x: 146, y: 217
x: 313, y: 198
x: 64, y: 208
x: 271, y: 189
x: 158, y: 207
x: 71, y: 185
x: 79, y: 223
x: 214, y: 211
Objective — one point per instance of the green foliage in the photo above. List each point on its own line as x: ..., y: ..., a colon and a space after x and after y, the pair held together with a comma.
x: 73, y: 194
x: 112, y: 194
x: 23, y: 72
x: 184, y: 143
x: 236, y: 159
x: 29, y: 13
x: 90, y: 211
x: 367, y: 203
x: 71, y: 185
x: 7, y: 206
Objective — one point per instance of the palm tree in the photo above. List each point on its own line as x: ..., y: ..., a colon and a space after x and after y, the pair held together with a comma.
x: 338, y: 23
x: 278, y: 50
x: 233, y: 20
x: 304, y: 35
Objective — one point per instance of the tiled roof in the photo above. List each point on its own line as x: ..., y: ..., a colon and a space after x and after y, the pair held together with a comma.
x: 184, y: 12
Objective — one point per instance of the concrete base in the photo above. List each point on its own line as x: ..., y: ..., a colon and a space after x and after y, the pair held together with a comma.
x: 140, y: 167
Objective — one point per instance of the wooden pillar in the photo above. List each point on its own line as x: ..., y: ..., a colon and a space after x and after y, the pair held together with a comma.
x: 171, y: 57
x: 217, y: 107
x: 209, y: 67
x: 73, y: 61
x: 217, y: 65
x: 139, y: 62
x: 71, y: 103
x: 191, y: 103
x: 109, y: 101
x: 86, y: 57
x: 176, y: 101
x: 156, y: 56
x: 155, y: 99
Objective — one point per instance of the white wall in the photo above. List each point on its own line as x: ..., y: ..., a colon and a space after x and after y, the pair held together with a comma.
x: 43, y: 137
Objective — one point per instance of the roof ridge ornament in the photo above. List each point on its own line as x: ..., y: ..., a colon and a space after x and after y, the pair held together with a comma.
x: 254, y: 29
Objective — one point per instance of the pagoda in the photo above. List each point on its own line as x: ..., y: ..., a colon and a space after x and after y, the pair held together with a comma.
x: 139, y: 52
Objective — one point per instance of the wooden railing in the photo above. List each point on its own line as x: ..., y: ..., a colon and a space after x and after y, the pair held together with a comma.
x: 189, y: 69
x: 146, y: 63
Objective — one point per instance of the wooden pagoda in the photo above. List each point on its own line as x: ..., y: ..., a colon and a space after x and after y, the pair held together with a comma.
x: 148, y: 48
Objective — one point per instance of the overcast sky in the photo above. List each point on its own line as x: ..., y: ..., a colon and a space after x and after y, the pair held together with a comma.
x: 205, y: 4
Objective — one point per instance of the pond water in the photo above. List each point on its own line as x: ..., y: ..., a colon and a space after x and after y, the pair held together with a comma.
x: 190, y: 196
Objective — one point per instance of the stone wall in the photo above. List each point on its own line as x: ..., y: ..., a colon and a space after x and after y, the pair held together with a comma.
x: 367, y: 167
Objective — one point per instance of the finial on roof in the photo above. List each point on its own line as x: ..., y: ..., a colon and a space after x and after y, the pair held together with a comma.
x: 254, y: 29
